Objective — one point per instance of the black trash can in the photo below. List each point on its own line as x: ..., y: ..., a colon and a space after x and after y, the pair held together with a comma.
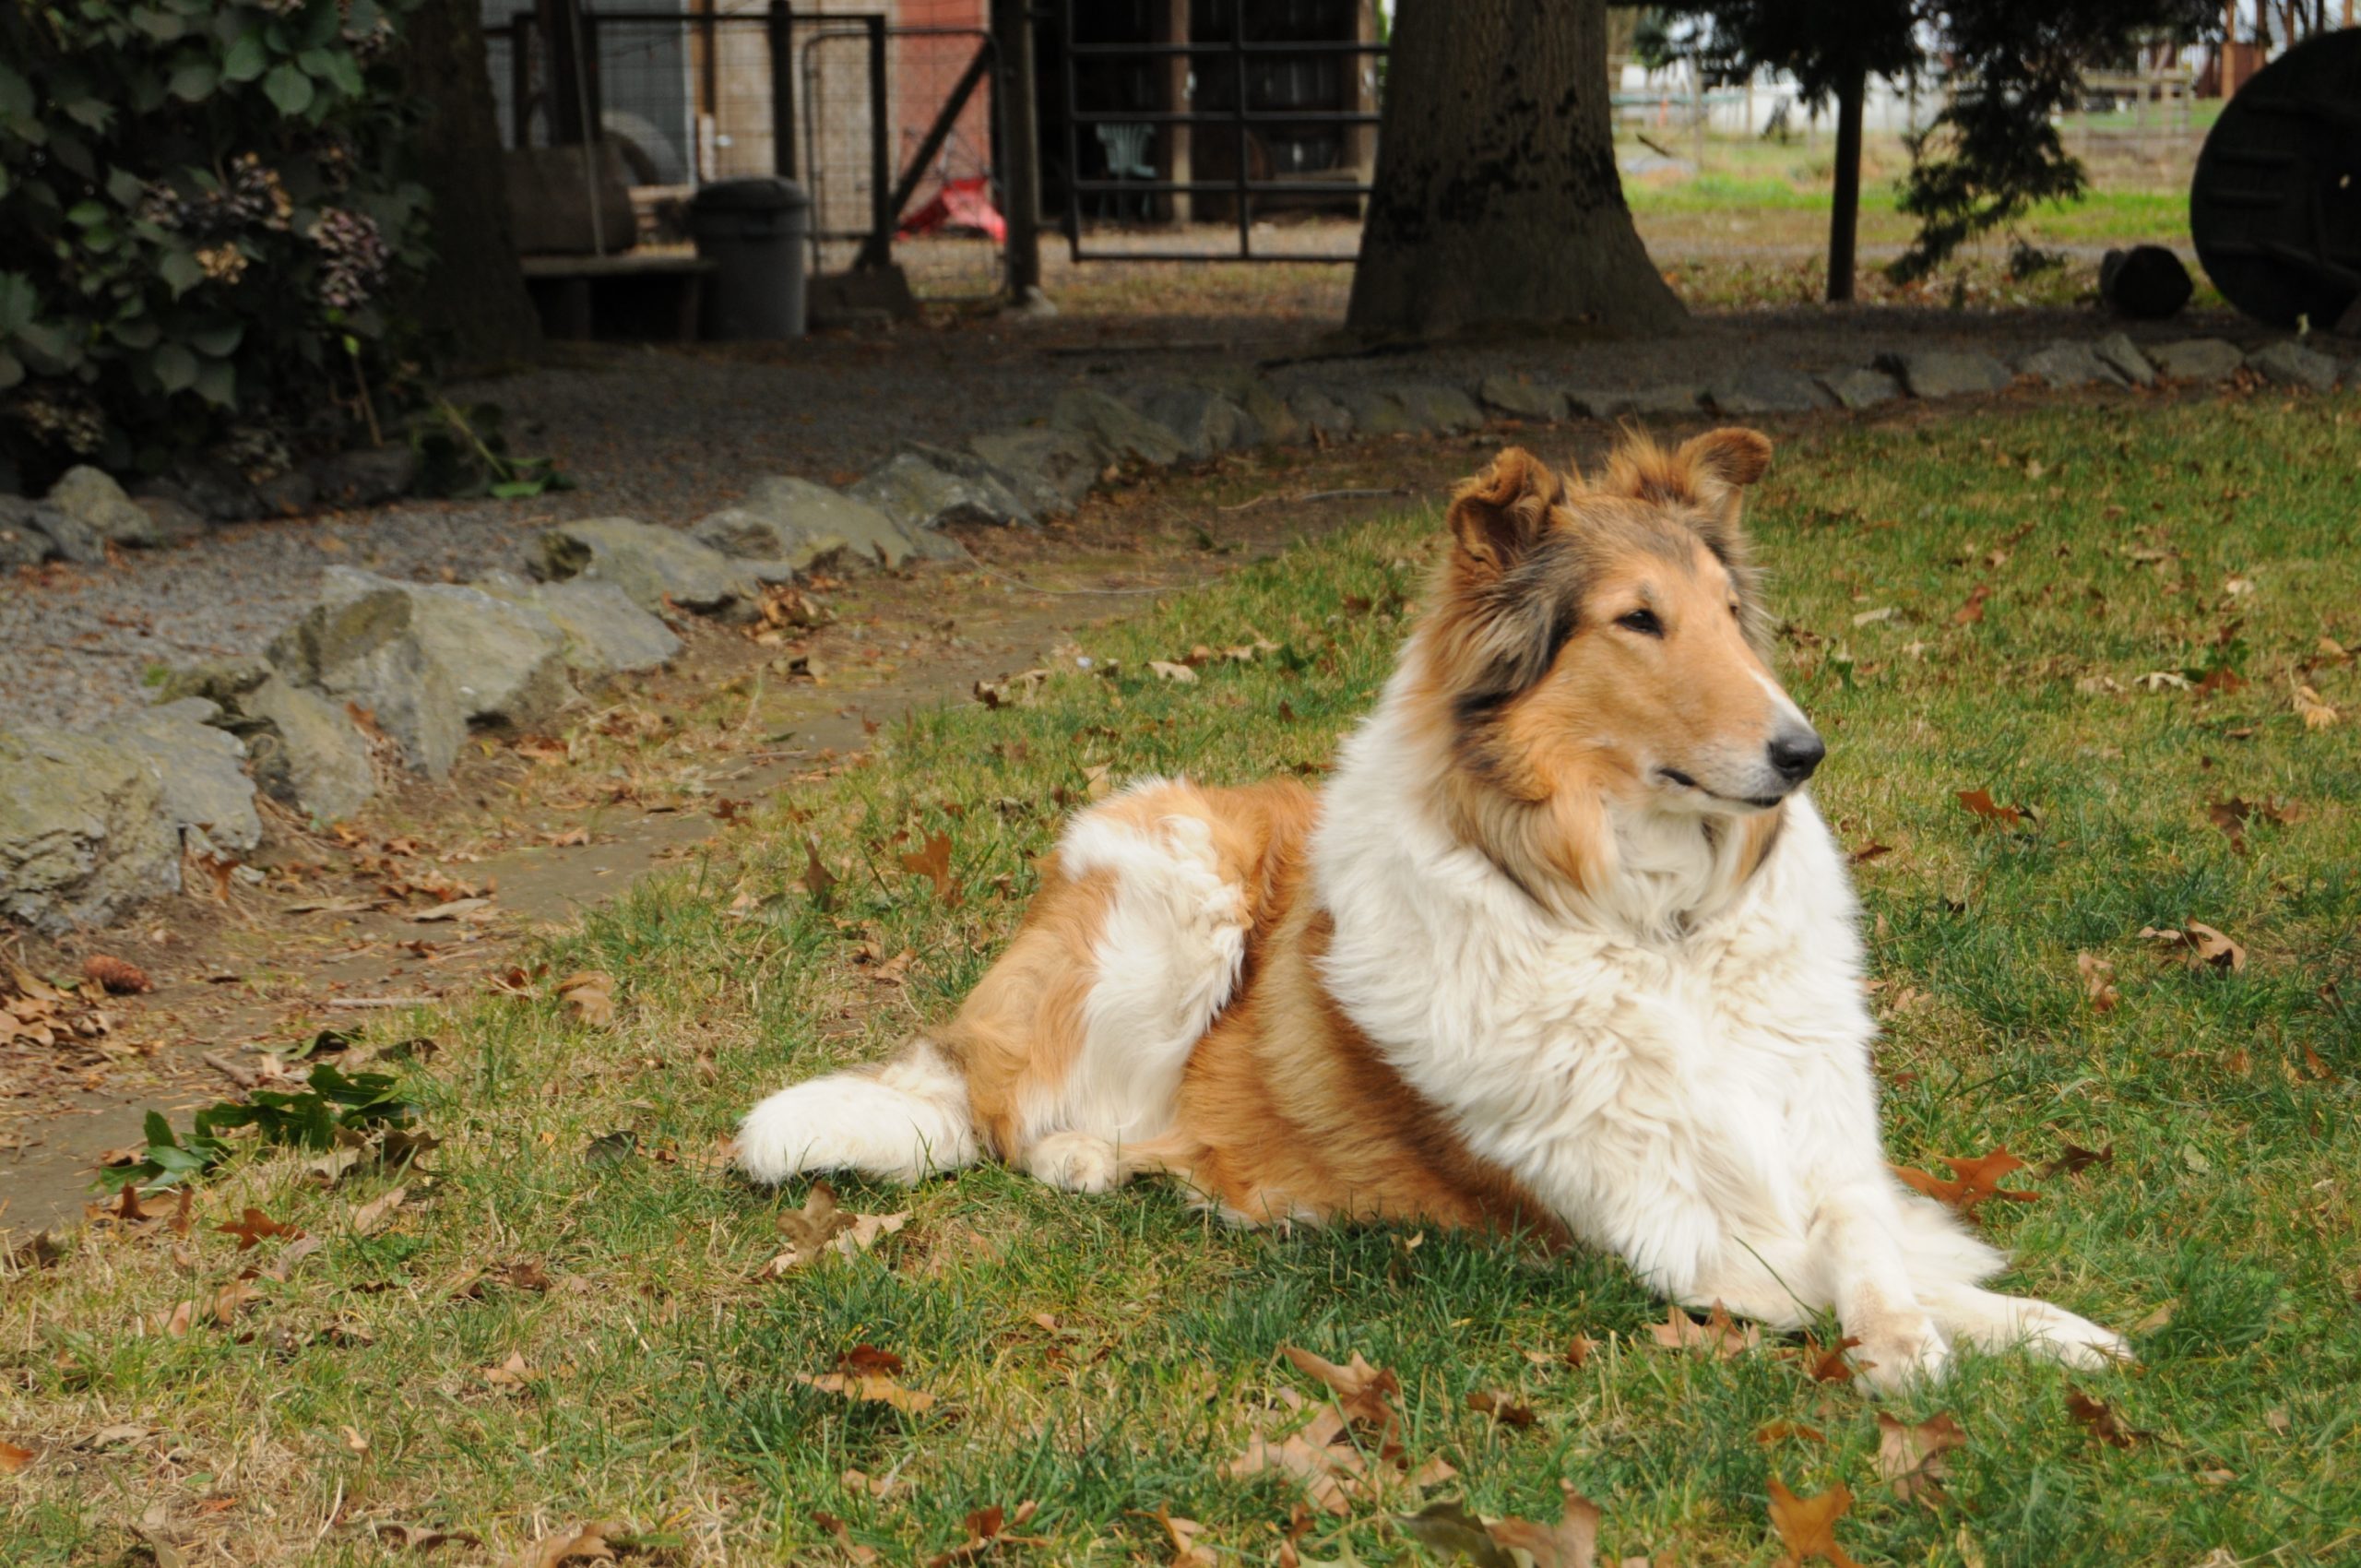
x: 753, y: 231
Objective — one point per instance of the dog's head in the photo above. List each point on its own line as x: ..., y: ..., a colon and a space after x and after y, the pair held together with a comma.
x: 1603, y: 642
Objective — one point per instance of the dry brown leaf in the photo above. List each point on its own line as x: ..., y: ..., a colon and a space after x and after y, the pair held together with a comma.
x: 12, y: 1458
x: 2074, y: 1158
x: 1312, y: 1457
x: 1826, y: 1363
x: 854, y: 1551
x: 510, y: 1373
x: 1976, y: 1179
x: 371, y: 1216
x: 1806, y: 1526
x: 1981, y: 803
x: 2105, y: 1424
x: 874, y: 1389
x: 1020, y: 690
x: 1572, y: 1543
x: 253, y: 1227
x: 590, y: 995
x: 821, y: 1227
x: 1719, y: 1335
x: 1502, y: 1407
x: 584, y: 1543
x: 1178, y: 675
x: 2199, y: 946
x: 1361, y: 1390
x: 420, y: 1538
x: 1186, y: 1552
x: 1912, y: 1458
x: 116, y: 976
x: 473, y: 910
x: 2098, y: 981
x: 2314, y: 709
x: 933, y: 862
x: 1772, y: 1431
x: 987, y: 1532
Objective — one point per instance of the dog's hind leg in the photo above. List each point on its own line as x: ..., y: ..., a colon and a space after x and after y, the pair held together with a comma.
x: 898, y: 1119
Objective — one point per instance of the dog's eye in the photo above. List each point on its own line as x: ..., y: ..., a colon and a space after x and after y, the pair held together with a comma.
x: 1735, y: 615
x: 1644, y: 622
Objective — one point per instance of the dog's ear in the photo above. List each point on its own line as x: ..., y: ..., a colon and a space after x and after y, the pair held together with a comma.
x: 1498, y: 516
x: 1724, y: 461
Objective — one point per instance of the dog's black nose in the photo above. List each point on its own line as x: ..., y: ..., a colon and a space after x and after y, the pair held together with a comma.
x: 1796, y: 753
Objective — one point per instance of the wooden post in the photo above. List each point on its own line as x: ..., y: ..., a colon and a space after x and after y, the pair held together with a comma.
x: 1020, y: 146
x: 561, y: 29
x: 1845, y: 208
x: 1179, y: 208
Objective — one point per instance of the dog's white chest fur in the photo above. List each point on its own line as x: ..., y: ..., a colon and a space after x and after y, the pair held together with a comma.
x: 1644, y: 1069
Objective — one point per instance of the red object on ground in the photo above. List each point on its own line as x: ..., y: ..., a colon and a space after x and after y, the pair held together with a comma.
x: 960, y: 204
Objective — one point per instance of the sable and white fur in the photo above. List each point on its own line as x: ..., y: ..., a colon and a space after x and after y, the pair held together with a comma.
x: 1562, y: 945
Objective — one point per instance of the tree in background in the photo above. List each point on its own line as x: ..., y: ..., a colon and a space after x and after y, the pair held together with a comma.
x: 1496, y: 196
x: 1992, y: 153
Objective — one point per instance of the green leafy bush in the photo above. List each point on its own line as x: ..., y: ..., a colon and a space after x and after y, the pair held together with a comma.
x: 201, y: 215
x: 331, y: 1107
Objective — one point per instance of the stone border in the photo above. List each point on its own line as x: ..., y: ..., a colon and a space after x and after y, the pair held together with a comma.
x: 382, y: 673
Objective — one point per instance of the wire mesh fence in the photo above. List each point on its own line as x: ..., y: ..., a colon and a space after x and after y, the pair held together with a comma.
x: 830, y: 93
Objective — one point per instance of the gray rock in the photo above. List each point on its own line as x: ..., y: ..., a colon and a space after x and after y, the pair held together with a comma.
x: 83, y: 831
x: 1275, y: 422
x: 1121, y: 431
x: 1207, y: 421
x: 223, y: 682
x: 810, y: 515
x: 365, y: 477
x: 174, y: 523
x: 925, y: 491
x: 213, y: 490
x: 2121, y: 355
x: 290, y: 494
x: 605, y: 633
x: 200, y: 766
x: 427, y: 660
x: 750, y: 536
x: 2065, y: 364
x: 23, y: 541
x: 305, y: 750
x: 1321, y: 414
x: 1861, y: 388
x: 1377, y: 412
x: 1056, y: 468
x: 1523, y: 397
x: 1946, y: 373
x: 76, y: 541
x: 2288, y: 363
x: 95, y: 501
x: 1646, y: 401
x: 1767, y: 389
x: 651, y: 565
x: 2201, y: 360
x: 1438, y: 408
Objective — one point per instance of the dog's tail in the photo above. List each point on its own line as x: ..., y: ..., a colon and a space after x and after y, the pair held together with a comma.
x: 898, y: 1119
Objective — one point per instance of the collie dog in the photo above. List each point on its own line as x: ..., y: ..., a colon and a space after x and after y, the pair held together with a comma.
x: 1563, y: 946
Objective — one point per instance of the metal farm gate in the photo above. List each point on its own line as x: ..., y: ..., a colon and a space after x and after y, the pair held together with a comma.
x: 1262, y: 108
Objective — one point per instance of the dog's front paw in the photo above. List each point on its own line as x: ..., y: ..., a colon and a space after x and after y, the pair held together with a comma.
x: 1075, y: 1162
x: 1901, y: 1353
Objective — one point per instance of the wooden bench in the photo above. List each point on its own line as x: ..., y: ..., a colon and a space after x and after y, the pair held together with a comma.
x: 636, y: 295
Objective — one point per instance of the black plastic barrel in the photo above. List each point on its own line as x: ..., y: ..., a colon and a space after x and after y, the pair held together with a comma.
x: 753, y: 232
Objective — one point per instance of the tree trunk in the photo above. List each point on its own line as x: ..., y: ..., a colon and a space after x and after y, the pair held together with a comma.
x: 1497, y: 200
x: 1844, y: 208
x: 473, y: 304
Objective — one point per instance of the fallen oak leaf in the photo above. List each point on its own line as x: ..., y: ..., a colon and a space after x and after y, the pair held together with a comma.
x: 2199, y: 946
x: 987, y: 1532
x: 1718, y: 1336
x: 1772, y: 1431
x: 933, y: 862
x: 370, y: 1217
x: 870, y: 1388
x: 514, y: 1373
x: 2075, y: 1158
x: 1912, y: 1458
x: 2098, y: 982
x: 12, y: 1458
x: 1976, y: 1181
x: 2314, y: 709
x: 1572, y: 1543
x: 590, y: 995
x: 854, y: 1551
x: 584, y: 1543
x: 1806, y: 1526
x: 1178, y: 675
x: 1449, y: 1531
x: 1186, y: 1552
x: 1502, y: 1407
x: 253, y: 1227
x: 1987, y: 809
x: 1825, y: 1363
x: 1361, y: 1390
x: 2102, y: 1420
x: 420, y: 1538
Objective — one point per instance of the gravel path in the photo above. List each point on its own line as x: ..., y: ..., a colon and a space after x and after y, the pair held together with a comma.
x: 667, y: 435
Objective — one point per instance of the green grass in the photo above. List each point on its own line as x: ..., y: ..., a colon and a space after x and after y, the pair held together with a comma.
x: 661, y: 1373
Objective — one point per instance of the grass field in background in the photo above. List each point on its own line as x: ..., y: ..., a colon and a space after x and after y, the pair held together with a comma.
x: 561, y: 1327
